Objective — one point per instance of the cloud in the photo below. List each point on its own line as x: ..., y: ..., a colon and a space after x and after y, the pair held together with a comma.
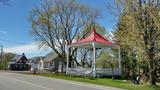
x: 3, y: 32
x: 22, y: 48
x: 30, y: 50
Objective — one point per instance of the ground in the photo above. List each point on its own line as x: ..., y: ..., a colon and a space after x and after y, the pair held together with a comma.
x: 14, y: 81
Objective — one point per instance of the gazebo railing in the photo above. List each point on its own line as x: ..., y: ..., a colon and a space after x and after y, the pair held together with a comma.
x: 89, y: 71
x: 80, y: 71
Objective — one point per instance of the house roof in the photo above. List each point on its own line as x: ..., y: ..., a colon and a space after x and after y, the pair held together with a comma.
x: 18, y: 57
x: 50, y: 56
x: 35, y: 60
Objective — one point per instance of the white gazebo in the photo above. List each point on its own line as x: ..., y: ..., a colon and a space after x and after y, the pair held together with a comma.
x: 93, y: 40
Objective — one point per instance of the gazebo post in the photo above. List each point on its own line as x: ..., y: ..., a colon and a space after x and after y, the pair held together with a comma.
x: 119, y: 55
x: 67, y: 49
x: 94, y: 59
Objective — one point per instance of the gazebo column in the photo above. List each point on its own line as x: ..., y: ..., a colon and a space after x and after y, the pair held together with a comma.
x: 119, y: 56
x: 94, y: 60
x: 67, y: 49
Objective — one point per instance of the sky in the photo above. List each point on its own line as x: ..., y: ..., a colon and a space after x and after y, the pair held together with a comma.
x: 15, y: 27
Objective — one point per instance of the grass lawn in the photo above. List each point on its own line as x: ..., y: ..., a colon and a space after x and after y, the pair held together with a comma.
x: 104, y: 81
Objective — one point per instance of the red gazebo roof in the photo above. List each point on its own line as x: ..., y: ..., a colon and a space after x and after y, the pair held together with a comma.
x: 93, y: 37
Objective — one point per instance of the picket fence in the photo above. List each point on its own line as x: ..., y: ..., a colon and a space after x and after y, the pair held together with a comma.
x: 99, y: 71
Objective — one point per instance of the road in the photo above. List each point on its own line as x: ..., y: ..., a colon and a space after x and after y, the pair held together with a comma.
x: 13, y: 81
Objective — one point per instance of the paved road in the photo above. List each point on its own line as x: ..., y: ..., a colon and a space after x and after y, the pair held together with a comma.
x: 13, y: 81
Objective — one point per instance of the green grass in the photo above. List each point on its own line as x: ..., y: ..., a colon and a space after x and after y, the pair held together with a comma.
x: 104, y: 81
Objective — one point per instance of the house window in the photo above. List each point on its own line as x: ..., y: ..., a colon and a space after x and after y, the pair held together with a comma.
x: 53, y: 64
x: 20, y: 61
x: 25, y: 66
x: 48, y: 65
x: 16, y: 66
x: 60, y: 65
x: 20, y: 66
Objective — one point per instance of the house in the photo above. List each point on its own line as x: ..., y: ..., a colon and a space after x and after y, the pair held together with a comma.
x: 50, y: 62
x: 53, y: 62
x: 34, y: 63
x: 19, y: 62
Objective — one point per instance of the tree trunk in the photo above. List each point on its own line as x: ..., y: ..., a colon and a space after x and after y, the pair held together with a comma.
x: 112, y: 72
x: 62, y: 68
x: 70, y: 58
x: 152, y: 73
x: 70, y: 61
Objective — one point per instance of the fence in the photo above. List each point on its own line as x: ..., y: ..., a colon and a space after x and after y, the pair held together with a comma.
x: 99, y: 71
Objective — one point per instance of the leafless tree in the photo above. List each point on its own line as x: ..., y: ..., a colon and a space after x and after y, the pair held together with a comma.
x: 58, y: 22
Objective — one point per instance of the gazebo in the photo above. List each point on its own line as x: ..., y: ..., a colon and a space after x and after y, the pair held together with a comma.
x: 93, y: 40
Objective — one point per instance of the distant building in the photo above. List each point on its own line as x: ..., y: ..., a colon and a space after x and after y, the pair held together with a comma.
x: 35, y: 63
x: 50, y: 62
x: 53, y: 62
x: 19, y: 62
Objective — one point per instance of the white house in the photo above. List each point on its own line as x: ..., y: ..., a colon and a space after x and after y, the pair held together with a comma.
x: 49, y: 62
x: 35, y: 63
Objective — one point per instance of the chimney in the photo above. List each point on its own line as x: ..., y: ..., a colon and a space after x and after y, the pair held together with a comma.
x: 23, y: 54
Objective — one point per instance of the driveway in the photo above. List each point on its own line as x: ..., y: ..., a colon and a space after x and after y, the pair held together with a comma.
x: 13, y: 81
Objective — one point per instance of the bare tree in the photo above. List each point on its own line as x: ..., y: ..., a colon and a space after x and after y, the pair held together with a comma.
x: 58, y: 22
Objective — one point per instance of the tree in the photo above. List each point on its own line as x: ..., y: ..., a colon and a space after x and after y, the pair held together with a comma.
x: 57, y: 23
x: 125, y: 38
x: 7, y: 57
x: 144, y: 30
x: 107, y: 59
